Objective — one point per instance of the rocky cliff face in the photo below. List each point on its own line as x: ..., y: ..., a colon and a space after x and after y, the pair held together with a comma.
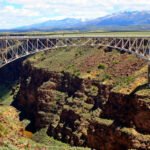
x: 83, y: 112
x: 11, y: 72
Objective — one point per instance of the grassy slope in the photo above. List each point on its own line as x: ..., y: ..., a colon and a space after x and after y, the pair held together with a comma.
x: 11, y: 131
x: 6, y: 94
x: 124, y: 71
x: 90, y: 33
x: 42, y: 137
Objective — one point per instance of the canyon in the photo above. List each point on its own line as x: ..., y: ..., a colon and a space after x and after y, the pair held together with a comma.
x: 83, y: 111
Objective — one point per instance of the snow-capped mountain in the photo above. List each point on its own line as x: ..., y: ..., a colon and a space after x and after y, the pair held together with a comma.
x: 124, y: 19
x: 136, y: 20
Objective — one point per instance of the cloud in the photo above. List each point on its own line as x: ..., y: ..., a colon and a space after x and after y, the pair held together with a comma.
x: 15, y: 13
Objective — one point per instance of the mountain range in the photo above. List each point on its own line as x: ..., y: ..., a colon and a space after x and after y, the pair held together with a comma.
x: 136, y: 20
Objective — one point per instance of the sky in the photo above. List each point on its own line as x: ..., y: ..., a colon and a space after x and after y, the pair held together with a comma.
x: 15, y: 13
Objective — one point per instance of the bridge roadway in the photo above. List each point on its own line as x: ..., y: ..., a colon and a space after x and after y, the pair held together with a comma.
x: 15, y: 47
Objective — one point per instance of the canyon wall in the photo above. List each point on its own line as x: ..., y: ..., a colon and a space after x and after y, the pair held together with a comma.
x: 83, y: 112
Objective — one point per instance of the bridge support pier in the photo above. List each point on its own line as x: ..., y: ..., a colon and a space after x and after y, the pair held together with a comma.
x: 149, y: 75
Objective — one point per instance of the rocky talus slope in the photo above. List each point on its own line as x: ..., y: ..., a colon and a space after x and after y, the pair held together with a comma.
x: 83, y: 111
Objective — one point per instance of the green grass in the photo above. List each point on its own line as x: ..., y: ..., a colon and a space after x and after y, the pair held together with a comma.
x: 42, y: 137
x: 124, y: 81
x: 106, y: 77
x: 133, y: 132
x: 102, y: 121
x: 90, y: 33
x: 6, y: 95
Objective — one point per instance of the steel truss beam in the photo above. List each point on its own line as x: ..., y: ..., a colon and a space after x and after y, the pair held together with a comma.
x: 12, y: 48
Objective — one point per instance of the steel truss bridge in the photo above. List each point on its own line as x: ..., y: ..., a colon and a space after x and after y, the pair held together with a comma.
x: 15, y: 47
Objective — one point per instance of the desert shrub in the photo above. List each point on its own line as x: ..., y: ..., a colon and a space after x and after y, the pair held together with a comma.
x: 115, y: 62
x: 79, y: 53
x: 106, y: 77
x: 101, y: 66
x: 93, y: 90
x: 88, y: 71
x: 43, y: 58
x: 77, y: 73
